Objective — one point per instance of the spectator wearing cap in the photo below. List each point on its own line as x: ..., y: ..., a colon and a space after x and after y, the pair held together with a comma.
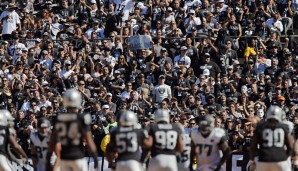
x: 292, y: 111
x: 272, y: 70
x: 162, y: 59
x: 46, y: 59
x: 208, y: 64
x: 15, y: 49
x: 282, y: 103
x: 95, y: 28
x: 250, y: 69
x: 10, y: 21
x: 161, y: 91
x: 108, y: 101
x: 110, y: 117
x: 169, y: 17
x: 182, y: 61
x: 191, y: 21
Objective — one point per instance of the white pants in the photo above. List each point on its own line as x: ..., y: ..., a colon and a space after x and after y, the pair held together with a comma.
x: 129, y: 165
x: 4, y: 163
x: 74, y: 165
x: 163, y: 162
x: 274, y: 166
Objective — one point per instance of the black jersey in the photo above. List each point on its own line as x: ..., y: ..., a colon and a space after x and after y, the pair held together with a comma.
x: 128, y: 141
x: 3, y: 140
x: 70, y: 129
x: 165, y: 137
x: 272, y: 142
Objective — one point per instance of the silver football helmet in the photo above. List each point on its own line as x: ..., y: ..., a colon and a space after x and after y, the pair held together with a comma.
x: 162, y: 115
x: 72, y: 98
x: 9, y: 118
x: 128, y: 118
x: 206, y: 124
x: 275, y: 112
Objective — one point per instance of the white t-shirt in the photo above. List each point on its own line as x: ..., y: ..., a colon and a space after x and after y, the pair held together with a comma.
x: 178, y: 60
x: 99, y: 31
x: 161, y: 92
x: 9, y: 25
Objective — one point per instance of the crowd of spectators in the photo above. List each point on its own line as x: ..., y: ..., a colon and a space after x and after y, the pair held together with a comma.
x: 217, y: 57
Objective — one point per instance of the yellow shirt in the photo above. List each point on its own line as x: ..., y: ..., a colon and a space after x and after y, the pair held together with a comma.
x: 248, y: 52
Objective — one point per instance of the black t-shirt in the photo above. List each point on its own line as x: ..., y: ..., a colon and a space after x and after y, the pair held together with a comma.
x: 165, y: 137
x: 128, y: 140
x: 272, y: 142
x: 70, y: 129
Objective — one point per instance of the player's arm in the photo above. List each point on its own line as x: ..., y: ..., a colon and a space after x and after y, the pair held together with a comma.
x: 34, y: 155
x: 146, y: 145
x: 52, y: 143
x: 57, y: 152
x: 179, y: 147
x: 253, y: 149
x: 12, y: 141
x: 290, y: 143
x: 91, y: 147
x: 226, y: 151
x: 111, y: 152
x: 192, y: 155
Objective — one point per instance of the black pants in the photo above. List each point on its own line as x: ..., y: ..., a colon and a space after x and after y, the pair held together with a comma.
x: 6, y: 36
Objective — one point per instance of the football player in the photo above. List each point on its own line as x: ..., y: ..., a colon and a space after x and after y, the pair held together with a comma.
x: 272, y: 136
x: 39, y: 144
x: 184, y: 157
x: 70, y: 130
x: 167, y: 141
x: 126, y: 141
x: 207, y: 142
x: 7, y: 138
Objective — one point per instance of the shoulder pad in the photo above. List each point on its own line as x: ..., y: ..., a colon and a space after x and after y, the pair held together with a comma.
x: 87, y: 119
x: 219, y: 132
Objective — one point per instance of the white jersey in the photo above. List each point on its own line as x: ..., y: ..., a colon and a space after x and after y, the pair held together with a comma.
x: 41, y: 146
x: 185, y: 155
x: 208, y: 152
x: 15, y: 49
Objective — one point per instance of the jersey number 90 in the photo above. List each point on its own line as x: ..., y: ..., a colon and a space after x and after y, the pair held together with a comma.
x: 273, y: 137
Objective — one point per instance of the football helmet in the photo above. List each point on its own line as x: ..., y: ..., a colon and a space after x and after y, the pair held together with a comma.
x: 43, y: 123
x: 162, y: 115
x: 206, y: 124
x: 72, y: 98
x: 275, y: 112
x: 9, y: 118
x: 128, y: 118
x: 3, y: 119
